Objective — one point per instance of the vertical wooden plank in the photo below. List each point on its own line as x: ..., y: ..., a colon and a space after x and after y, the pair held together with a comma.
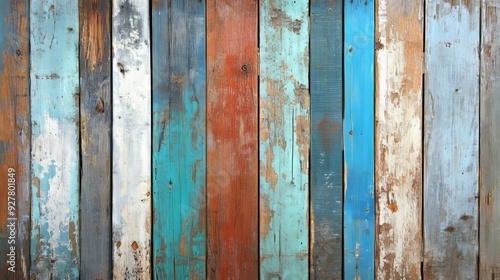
x: 326, y: 140
x: 179, y: 164
x: 284, y: 139
x: 131, y: 140
x: 14, y: 140
x: 95, y: 117
x: 359, y: 210
x: 55, y: 150
x: 489, y: 251
x: 451, y: 136
x: 398, y: 138
x: 232, y: 69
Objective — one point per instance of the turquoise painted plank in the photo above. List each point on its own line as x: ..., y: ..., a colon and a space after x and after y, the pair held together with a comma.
x: 326, y: 140
x: 15, y: 186
x: 284, y: 139
x: 179, y: 145
x: 489, y: 251
x: 359, y: 204
x: 55, y: 152
x: 451, y: 130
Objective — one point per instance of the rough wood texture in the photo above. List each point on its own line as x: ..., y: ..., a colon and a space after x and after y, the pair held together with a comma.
x: 14, y: 140
x: 359, y: 205
x: 55, y: 150
x: 326, y: 140
x: 131, y: 136
x: 451, y: 132
x: 95, y: 117
x: 284, y: 139
x: 232, y: 140
x: 398, y: 138
x: 490, y: 148
x: 179, y: 164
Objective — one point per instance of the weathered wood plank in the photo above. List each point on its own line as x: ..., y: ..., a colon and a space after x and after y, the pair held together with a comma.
x: 451, y: 138
x: 489, y: 251
x: 55, y: 151
x: 284, y: 139
x: 179, y: 121
x: 14, y: 140
x: 232, y: 179
x: 326, y: 140
x: 131, y: 140
x: 398, y: 138
x: 359, y: 204
x: 95, y: 118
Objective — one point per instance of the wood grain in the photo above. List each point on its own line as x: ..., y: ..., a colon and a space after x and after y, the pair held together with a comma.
x: 326, y: 140
x: 131, y: 140
x: 179, y: 139
x: 14, y: 140
x: 232, y: 190
x: 489, y: 203
x: 55, y: 162
x: 398, y: 138
x: 95, y: 117
x: 284, y: 139
x: 359, y: 204
x: 451, y: 139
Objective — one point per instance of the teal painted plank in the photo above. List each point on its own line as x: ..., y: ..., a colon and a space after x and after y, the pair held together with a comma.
x: 95, y: 117
x: 284, y: 139
x: 451, y: 153
x: 326, y: 140
x: 179, y: 152
x: 55, y: 139
x: 15, y: 133
x: 489, y: 253
x: 359, y: 204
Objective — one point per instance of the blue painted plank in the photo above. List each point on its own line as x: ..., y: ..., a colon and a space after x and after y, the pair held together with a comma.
x: 326, y: 140
x: 451, y: 154
x: 179, y: 145
x: 55, y: 139
x: 284, y: 139
x: 359, y: 204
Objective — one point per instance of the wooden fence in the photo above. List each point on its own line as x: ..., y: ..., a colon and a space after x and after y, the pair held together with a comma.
x: 245, y: 139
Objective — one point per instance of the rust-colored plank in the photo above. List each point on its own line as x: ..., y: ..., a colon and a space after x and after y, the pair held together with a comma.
x: 232, y: 69
x: 14, y: 141
x: 398, y: 138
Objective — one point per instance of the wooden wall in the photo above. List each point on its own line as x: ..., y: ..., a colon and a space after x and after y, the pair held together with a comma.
x: 245, y: 139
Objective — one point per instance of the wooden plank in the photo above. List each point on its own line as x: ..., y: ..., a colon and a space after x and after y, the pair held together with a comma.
x: 359, y: 204
x: 179, y: 121
x: 284, y: 139
x: 451, y: 138
x: 398, y: 138
x: 232, y: 69
x: 14, y: 140
x: 131, y: 140
x: 489, y: 240
x: 55, y: 150
x: 95, y: 117
x: 326, y: 140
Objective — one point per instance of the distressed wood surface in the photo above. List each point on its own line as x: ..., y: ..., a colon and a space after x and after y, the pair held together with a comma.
x: 179, y: 164
x: 95, y: 118
x: 398, y: 138
x: 326, y: 140
x: 359, y: 204
x: 131, y: 140
x: 14, y: 140
x: 451, y: 154
x: 232, y: 178
x: 490, y: 149
x: 284, y: 139
x: 55, y: 150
